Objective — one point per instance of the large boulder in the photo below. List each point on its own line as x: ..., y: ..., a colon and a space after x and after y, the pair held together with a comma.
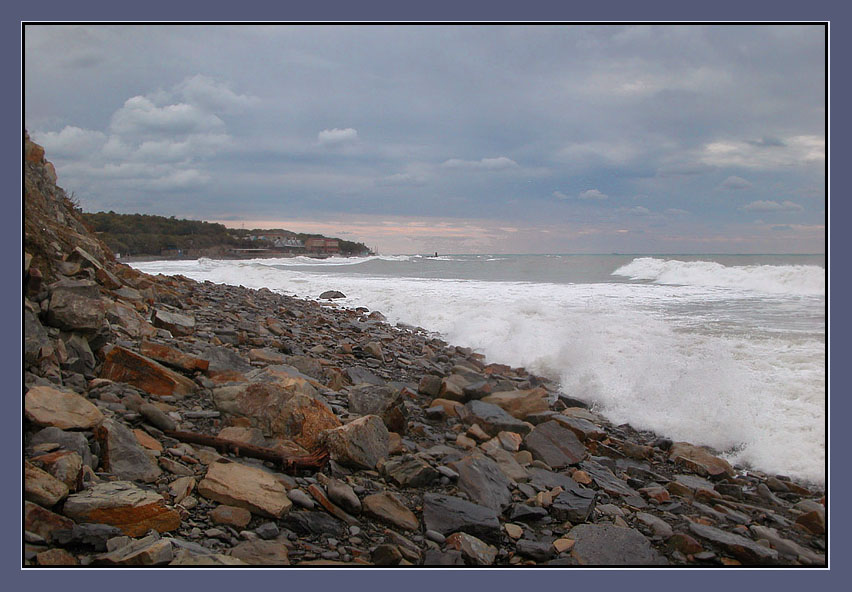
x: 360, y: 443
x: 555, y: 445
x: 47, y: 406
x: 122, y: 504
x: 483, y: 481
x: 610, y: 545
x: 122, y: 455
x: 75, y: 305
x: 123, y: 365
x: 385, y: 402
x: 447, y: 514
x: 520, y: 404
x: 246, y: 487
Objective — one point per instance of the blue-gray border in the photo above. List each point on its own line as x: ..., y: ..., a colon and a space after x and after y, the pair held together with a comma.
x: 436, y: 10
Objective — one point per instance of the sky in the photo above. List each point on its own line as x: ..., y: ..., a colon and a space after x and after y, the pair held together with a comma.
x: 449, y: 138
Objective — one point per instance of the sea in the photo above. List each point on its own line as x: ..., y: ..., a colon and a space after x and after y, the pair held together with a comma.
x: 727, y: 351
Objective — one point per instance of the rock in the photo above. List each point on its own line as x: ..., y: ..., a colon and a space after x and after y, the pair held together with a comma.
x: 520, y: 403
x: 173, y: 357
x: 175, y: 323
x: 122, y: 504
x: 582, y: 428
x: 359, y: 444
x: 374, y: 350
x: 74, y: 441
x: 181, y: 487
x: 448, y: 408
x: 555, y: 445
x: 123, y: 365
x: 539, y: 551
x: 410, y: 471
x: 47, y: 406
x: 44, y: 522
x: 443, y: 558
x: 491, y: 418
x: 55, y: 557
x: 246, y: 487
x: 452, y: 388
x: 301, y: 499
x: 150, y: 550
x: 277, y: 411
x: 122, y: 455
x: 267, y: 356
x: 660, y: 527
x: 429, y: 385
x: 786, y: 547
x: 331, y: 295
x: 95, y: 536
x: 74, y: 306
x: 482, y: 480
x: 386, y: 555
x: 507, y: 463
x: 343, y: 495
x: 447, y: 514
x: 747, y: 551
x: 606, y: 480
x: 157, y: 417
x: 474, y: 551
x: 388, y: 508
x: 311, y: 523
x: 41, y: 487
x: 188, y: 559
x: 604, y: 545
x: 385, y: 402
x: 261, y: 553
x: 37, y: 344
x: 575, y: 505
x: 358, y: 375
x: 683, y: 543
x: 813, y: 521
x: 231, y: 515
x: 699, y: 460
x: 526, y: 513
x: 65, y: 465
x: 321, y: 498
x: 126, y: 317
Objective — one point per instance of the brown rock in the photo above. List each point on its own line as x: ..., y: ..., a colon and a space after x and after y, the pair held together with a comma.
x: 181, y: 487
x: 555, y: 445
x: 813, y: 521
x: 451, y: 408
x: 44, y: 522
x: 56, y: 557
x: 267, y: 356
x: 231, y: 515
x: 126, y: 317
x: 42, y: 488
x: 261, y: 553
x: 176, y: 323
x: 699, y: 460
x: 388, y: 508
x: 146, y: 441
x: 360, y: 443
x: 123, y: 365
x: 520, y: 404
x: 475, y: 551
x: 245, y: 487
x: 173, y: 357
x: 122, y: 455
x: 684, y: 543
x: 47, y: 406
x: 124, y: 505
x: 150, y: 550
x: 65, y: 465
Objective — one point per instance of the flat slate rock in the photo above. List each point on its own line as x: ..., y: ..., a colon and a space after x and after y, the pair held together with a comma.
x: 360, y: 375
x: 448, y: 514
x: 491, y: 418
x: 555, y: 445
x: 606, y: 480
x: 606, y: 544
x: 746, y: 550
x: 482, y: 480
x: 574, y: 506
x: 306, y: 522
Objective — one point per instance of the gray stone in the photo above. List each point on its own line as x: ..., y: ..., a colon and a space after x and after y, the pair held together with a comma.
x: 87, y: 534
x: 447, y: 514
x: 122, y: 455
x: 74, y: 441
x: 360, y: 375
x: 605, y: 544
x: 343, y: 495
x: 150, y: 550
x: 36, y: 339
x: 177, y: 324
x: 310, y: 523
x: 575, y: 505
x: 75, y: 305
x: 331, y: 295
x: 157, y: 417
x: 443, y: 558
x: 606, y: 480
x: 301, y: 499
x: 481, y: 479
x: 411, y: 471
x: 383, y: 401
x: 746, y: 550
x: 358, y: 444
x: 491, y: 418
x: 261, y: 553
x: 555, y: 445
x: 660, y: 527
x: 539, y: 551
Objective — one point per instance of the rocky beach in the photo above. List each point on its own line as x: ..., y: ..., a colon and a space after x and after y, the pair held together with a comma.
x: 169, y: 422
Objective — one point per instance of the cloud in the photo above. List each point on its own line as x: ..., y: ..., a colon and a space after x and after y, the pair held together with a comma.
x: 401, y: 180
x: 771, y: 206
x: 487, y: 164
x: 637, y: 211
x: 793, y: 151
x: 767, y: 142
x: 592, y: 194
x: 676, y: 212
x: 71, y: 142
x: 140, y: 115
x: 734, y: 183
x: 212, y: 94
x: 683, y: 170
x: 560, y: 195
x: 331, y: 137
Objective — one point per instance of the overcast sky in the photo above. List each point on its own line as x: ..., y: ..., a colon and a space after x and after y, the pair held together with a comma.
x: 458, y: 139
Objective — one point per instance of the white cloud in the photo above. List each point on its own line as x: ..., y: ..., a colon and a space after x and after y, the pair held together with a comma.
x: 334, y: 136
x: 560, y: 195
x: 211, y: 94
x: 620, y: 152
x: 683, y: 169
x: 637, y: 211
x: 771, y: 206
x: 140, y: 116
x: 793, y: 151
x: 734, y: 183
x: 676, y: 212
x: 489, y: 164
x: 71, y: 142
x: 592, y: 194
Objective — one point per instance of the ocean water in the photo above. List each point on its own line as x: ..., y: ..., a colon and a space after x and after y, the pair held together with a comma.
x: 726, y: 351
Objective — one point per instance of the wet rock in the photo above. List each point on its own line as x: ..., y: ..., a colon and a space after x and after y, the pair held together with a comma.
x: 47, y: 406
x: 173, y: 357
x: 746, y: 550
x: 699, y: 460
x: 122, y: 455
x: 575, y: 505
x: 607, y: 545
x: 447, y: 514
x: 123, y: 365
x: 175, y: 323
x: 555, y: 445
x: 122, y: 504
x: 246, y: 487
x: 491, y: 418
x: 331, y: 295
x: 310, y: 523
x: 520, y: 403
x: 360, y: 443
x: 410, y: 471
x: 389, y: 508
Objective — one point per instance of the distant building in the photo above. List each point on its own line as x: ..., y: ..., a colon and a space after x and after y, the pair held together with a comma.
x: 328, y: 246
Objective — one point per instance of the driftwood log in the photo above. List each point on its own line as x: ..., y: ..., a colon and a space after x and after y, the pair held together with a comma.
x: 290, y: 464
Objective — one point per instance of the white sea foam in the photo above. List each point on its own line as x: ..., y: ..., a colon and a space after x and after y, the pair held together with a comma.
x: 760, y: 398
x: 774, y: 279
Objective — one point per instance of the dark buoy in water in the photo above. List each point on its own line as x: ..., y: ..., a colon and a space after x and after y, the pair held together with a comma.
x: 436, y: 253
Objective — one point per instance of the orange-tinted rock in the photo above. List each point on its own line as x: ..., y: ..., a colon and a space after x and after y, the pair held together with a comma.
x: 41, y: 487
x: 124, y: 505
x: 699, y: 460
x: 245, y: 487
x: 231, y: 515
x: 56, y: 557
x: 520, y: 404
x: 47, y: 406
x: 123, y: 365
x: 360, y: 443
x: 44, y: 522
x: 147, y: 441
x: 65, y: 465
x: 813, y: 521
x: 684, y: 543
x: 173, y: 357
x: 450, y: 407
